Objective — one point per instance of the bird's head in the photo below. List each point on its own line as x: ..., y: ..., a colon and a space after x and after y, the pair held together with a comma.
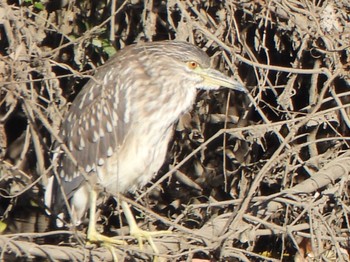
x: 209, y: 78
x: 184, y: 62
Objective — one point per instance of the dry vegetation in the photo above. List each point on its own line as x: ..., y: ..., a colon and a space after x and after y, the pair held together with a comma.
x: 254, y: 177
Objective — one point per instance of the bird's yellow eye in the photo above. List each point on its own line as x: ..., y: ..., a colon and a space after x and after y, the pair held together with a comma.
x: 192, y: 65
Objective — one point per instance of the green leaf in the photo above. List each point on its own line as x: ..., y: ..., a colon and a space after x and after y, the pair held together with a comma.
x: 33, y: 203
x: 39, y: 5
x: 3, y: 226
x: 97, y: 42
x: 109, y: 50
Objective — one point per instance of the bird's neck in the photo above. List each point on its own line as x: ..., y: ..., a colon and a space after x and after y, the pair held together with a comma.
x: 168, y: 111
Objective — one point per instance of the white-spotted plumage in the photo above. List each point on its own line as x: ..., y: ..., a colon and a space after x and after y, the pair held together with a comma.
x: 119, y: 125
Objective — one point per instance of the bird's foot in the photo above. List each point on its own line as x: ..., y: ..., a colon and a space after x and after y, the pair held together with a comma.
x: 108, y: 242
x: 140, y: 234
x: 95, y: 237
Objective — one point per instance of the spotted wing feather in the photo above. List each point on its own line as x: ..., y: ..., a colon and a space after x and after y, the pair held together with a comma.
x: 93, y: 130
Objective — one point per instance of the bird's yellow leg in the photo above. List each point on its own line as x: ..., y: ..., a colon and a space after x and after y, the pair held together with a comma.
x: 138, y: 233
x: 92, y: 235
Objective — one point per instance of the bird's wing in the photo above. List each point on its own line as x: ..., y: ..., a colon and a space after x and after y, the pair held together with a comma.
x: 93, y: 130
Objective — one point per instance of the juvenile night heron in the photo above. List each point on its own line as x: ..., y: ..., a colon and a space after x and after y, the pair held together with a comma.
x: 119, y: 126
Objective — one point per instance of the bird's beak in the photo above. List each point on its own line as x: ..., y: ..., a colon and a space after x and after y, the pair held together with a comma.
x: 214, y: 79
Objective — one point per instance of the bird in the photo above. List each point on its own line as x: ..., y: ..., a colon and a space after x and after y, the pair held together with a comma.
x: 118, y: 127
